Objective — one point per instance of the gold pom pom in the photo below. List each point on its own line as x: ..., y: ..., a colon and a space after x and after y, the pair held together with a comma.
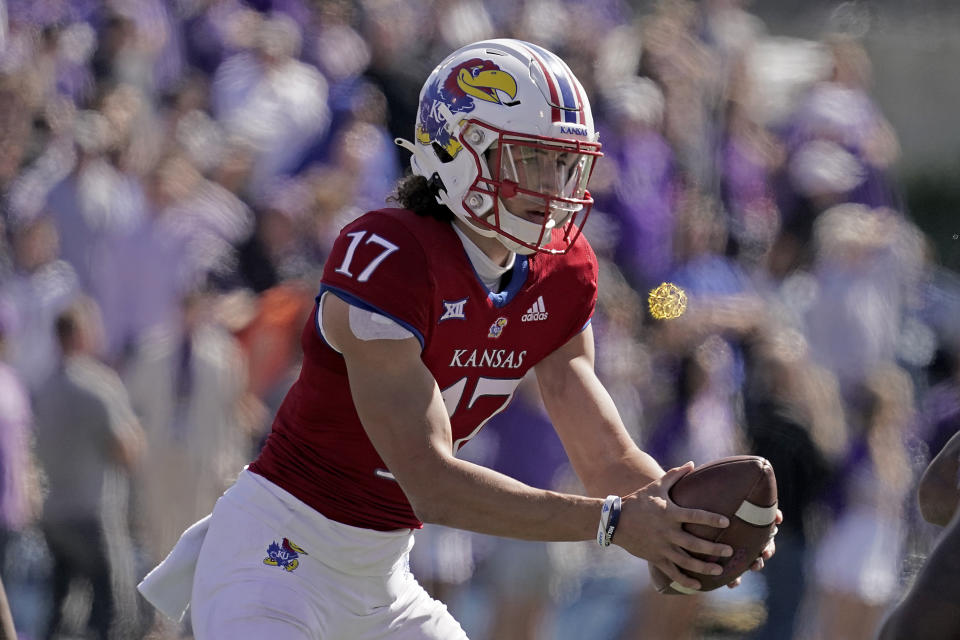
x: 667, y: 301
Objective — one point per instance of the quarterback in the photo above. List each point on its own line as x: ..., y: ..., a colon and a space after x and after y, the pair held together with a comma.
x: 427, y: 318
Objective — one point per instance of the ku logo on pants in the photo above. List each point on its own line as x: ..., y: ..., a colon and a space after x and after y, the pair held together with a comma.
x: 284, y: 555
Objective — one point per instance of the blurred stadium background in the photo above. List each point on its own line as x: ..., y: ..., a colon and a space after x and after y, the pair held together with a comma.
x: 172, y: 173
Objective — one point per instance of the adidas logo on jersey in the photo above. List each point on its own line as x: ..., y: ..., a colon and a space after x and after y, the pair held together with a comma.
x: 535, y: 312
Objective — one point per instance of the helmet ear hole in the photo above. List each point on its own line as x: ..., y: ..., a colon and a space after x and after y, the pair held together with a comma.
x: 436, y: 184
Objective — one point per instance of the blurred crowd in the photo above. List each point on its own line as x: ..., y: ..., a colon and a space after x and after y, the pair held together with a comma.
x: 173, y: 172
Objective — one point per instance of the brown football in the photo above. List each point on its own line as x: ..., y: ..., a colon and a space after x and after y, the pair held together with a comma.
x: 744, y: 489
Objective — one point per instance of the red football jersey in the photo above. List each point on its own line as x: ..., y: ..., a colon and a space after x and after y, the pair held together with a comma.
x: 477, y: 344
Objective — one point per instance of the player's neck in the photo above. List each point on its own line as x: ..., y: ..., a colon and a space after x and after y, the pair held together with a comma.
x: 491, y: 273
x: 491, y: 247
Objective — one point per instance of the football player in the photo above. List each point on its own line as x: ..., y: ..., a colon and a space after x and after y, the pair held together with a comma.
x: 428, y: 317
x: 932, y: 604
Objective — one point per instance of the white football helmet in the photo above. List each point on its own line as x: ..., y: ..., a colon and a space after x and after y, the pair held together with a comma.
x: 505, y: 123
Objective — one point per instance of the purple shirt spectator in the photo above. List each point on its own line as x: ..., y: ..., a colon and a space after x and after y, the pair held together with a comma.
x: 847, y: 117
x: 159, y: 38
x: 15, y: 419
x: 143, y: 280
x: 643, y: 203
x: 38, y: 290
x: 88, y: 207
x: 277, y: 106
x: 44, y: 13
x: 861, y: 270
x: 209, y: 222
x: 206, y: 41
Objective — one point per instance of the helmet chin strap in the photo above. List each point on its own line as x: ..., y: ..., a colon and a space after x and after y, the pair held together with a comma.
x: 523, y: 229
x: 517, y: 227
x: 514, y: 247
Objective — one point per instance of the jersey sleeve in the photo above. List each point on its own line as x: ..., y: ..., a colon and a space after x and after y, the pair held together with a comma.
x: 379, y: 265
x: 585, y: 275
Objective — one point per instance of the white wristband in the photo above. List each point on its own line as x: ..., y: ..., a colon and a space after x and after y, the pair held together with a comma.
x: 609, y: 519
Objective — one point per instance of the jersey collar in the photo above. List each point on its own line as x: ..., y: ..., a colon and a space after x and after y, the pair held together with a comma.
x: 476, y: 257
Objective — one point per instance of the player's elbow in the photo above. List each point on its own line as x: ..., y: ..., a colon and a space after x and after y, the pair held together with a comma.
x: 427, y: 512
x: 427, y: 489
x: 430, y: 506
x: 443, y: 503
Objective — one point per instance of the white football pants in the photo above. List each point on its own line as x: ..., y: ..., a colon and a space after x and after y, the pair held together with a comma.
x: 331, y: 581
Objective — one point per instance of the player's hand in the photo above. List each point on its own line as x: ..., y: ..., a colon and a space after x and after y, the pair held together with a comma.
x: 651, y: 527
x: 766, y: 554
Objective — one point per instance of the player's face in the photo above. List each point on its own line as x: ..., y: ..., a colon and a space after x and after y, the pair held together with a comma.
x: 538, y: 179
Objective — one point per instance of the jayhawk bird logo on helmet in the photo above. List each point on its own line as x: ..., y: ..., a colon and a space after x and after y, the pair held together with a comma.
x: 474, y: 79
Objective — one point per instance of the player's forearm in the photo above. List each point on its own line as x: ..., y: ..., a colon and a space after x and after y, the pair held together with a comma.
x: 603, y: 454
x: 623, y: 475
x: 409, y: 431
x: 459, y: 494
x: 601, y: 451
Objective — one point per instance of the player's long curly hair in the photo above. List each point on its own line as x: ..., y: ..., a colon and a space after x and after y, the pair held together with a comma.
x: 420, y: 196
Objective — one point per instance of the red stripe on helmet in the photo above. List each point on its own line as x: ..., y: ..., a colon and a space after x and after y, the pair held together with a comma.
x: 551, y: 83
x: 581, y: 112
